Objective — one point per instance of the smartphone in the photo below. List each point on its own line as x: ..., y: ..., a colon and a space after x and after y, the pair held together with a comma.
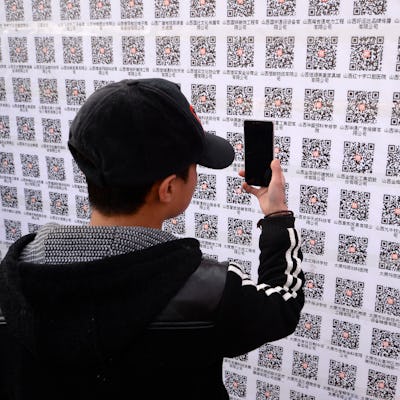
x: 258, y: 151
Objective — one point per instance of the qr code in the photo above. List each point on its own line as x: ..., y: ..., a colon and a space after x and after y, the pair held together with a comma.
x: 240, y: 51
x: 240, y: 231
x: 389, y: 256
x: 266, y: 390
x: 349, y: 293
x: 235, y: 384
x: 309, y: 326
x: 175, y: 225
x: 345, y: 334
x: 279, y: 52
x: 391, y: 210
x: 270, y: 356
x: 131, y: 9
x: 239, y: 100
x: 3, y: 92
x: 204, y: 98
x: 206, y: 188
x: 25, y: 128
x: 305, y: 365
x: 366, y: 53
x: 41, y: 10
x: 278, y: 102
x: 203, y: 51
x: 398, y: 56
x: 245, y: 265
x: 102, y: 49
x: 237, y: 142
x: 387, y: 300
x: 385, y: 343
x: 33, y: 200
x: 33, y: 228
x: 82, y: 207
x: 51, y: 130
x: 48, y: 93
x: 313, y: 242
x: 362, y: 106
x: 72, y: 49
x: 202, y: 8
x: 9, y: 197
x: 70, y: 9
x: 100, y: 9
x: 364, y: 7
x: 206, y: 226
x: 30, y: 165
x: 352, y: 249
x: 381, y: 385
x: 316, y: 153
x: 354, y: 205
x: 55, y: 168
x: 318, y: 104
x: 166, y: 8
x: 14, y: 10
x: 7, y: 163
x: 235, y: 194
x: 282, y: 149
x: 314, y: 285
x: 318, y: 8
x: 18, y: 49
x: 59, y: 203
x: 358, y: 157
x: 133, y: 52
x: 313, y: 199
x: 294, y: 395
x: 79, y: 176
x: 321, y: 52
x: 168, y: 50
x: 45, y: 50
x: 395, y: 118
x: 76, y: 91
x: 279, y: 8
x: 235, y: 8
x: 98, y: 84
x: 12, y: 229
x: 4, y: 127
x: 22, y: 90
x: 342, y: 375
x: 393, y: 160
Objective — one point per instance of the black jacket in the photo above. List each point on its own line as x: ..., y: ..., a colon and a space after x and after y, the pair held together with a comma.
x: 149, y: 324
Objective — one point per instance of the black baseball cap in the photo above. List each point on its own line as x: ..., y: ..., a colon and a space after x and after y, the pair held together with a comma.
x: 137, y: 131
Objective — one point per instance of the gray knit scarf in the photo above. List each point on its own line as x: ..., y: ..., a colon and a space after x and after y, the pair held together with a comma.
x: 63, y: 244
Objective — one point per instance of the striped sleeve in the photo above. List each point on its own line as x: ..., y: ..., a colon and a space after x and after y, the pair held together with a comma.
x: 292, y: 268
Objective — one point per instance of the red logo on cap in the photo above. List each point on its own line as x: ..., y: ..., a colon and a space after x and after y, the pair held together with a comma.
x: 194, y: 113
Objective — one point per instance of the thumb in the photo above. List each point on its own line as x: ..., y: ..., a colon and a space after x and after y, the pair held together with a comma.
x: 277, y: 173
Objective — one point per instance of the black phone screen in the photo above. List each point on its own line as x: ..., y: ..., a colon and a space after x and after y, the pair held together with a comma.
x: 258, y: 151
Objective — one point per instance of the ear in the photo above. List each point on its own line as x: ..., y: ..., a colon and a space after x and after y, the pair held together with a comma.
x: 166, y: 189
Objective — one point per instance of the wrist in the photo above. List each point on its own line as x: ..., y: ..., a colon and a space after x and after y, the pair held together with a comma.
x: 279, y: 213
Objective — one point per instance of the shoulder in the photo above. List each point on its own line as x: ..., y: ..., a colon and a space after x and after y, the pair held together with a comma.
x: 198, y: 299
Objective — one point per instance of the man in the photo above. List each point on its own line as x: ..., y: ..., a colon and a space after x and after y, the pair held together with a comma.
x: 120, y: 308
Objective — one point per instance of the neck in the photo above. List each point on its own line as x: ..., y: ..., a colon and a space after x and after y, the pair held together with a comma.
x: 141, y: 218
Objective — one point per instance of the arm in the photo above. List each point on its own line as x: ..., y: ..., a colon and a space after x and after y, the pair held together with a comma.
x: 253, y: 314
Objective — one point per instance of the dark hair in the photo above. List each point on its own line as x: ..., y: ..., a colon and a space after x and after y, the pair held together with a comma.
x: 122, y: 200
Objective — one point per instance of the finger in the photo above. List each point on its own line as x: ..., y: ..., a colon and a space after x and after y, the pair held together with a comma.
x: 277, y: 173
x: 250, y: 189
x: 242, y: 173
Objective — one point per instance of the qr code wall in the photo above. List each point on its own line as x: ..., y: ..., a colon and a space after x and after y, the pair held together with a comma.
x: 326, y: 72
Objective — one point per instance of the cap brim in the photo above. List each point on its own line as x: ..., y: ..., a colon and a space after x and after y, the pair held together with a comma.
x: 218, y: 152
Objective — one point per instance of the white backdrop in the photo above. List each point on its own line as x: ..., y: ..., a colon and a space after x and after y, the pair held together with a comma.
x: 325, y: 71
